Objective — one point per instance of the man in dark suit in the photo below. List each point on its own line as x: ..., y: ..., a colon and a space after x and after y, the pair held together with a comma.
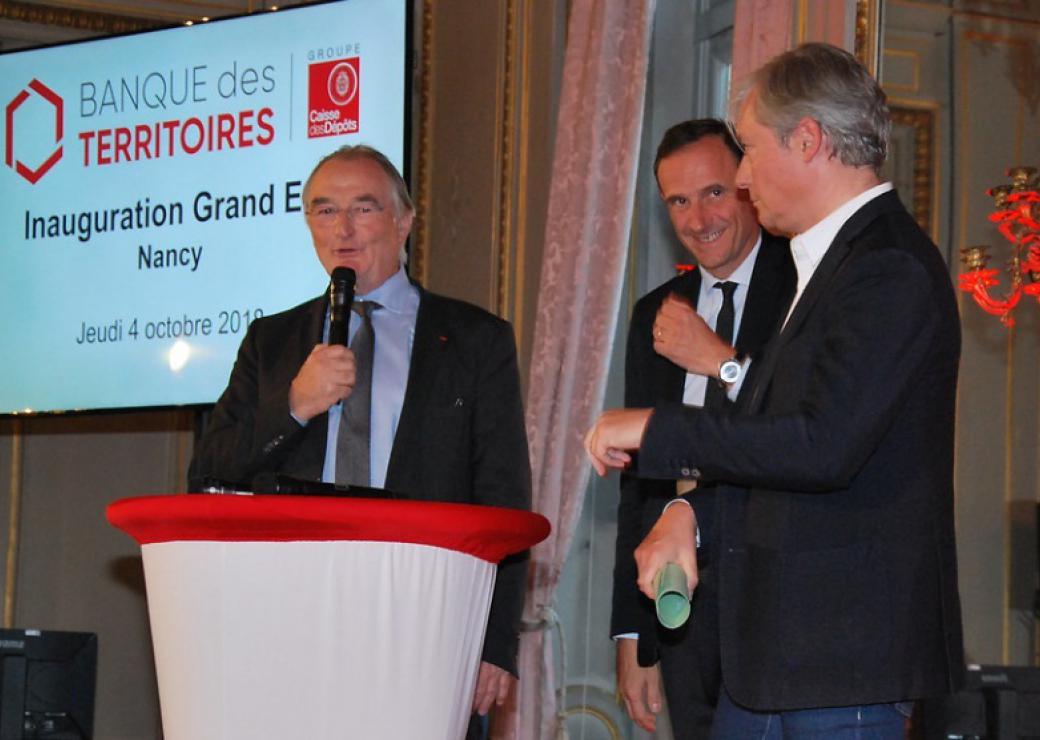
x: 446, y: 422
x: 837, y: 574
x: 695, y: 167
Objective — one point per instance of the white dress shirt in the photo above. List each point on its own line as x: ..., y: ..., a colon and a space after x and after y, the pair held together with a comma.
x: 808, y: 248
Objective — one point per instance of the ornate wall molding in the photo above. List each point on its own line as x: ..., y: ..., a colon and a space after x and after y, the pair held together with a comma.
x: 922, y: 122
x: 506, y: 127
x: 81, y: 20
x: 868, y: 35
x: 588, y: 707
x: 420, y: 240
x: 1022, y: 55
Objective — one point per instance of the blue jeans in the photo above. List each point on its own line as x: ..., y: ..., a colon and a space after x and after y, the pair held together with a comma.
x: 867, y: 722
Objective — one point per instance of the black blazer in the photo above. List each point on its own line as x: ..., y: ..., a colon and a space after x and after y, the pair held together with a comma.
x: 460, y: 437
x: 651, y: 379
x: 837, y: 566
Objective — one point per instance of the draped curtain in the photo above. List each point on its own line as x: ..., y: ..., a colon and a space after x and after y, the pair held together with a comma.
x: 587, y: 232
x: 761, y: 30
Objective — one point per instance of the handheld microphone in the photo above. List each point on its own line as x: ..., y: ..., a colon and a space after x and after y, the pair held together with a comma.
x: 341, y: 297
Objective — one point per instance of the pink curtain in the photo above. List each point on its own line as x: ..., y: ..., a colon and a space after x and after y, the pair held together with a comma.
x: 761, y: 30
x: 587, y: 232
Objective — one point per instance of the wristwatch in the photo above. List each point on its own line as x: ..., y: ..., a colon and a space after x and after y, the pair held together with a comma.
x: 730, y: 370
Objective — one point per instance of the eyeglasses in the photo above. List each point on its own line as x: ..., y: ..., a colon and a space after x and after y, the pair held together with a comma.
x: 327, y: 214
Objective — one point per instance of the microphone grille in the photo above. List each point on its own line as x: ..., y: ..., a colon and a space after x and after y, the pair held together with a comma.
x: 344, y: 275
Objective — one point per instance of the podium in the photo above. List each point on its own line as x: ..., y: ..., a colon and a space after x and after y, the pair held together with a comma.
x: 316, y: 617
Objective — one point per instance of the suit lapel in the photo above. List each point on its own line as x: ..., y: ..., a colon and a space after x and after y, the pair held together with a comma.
x: 689, y: 286
x: 311, y: 452
x: 673, y: 380
x: 431, y: 339
x: 832, y: 260
x: 836, y: 254
x: 314, y: 332
x: 769, y: 294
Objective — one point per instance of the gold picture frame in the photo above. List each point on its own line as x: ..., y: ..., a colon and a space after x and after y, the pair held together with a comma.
x: 911, y: 162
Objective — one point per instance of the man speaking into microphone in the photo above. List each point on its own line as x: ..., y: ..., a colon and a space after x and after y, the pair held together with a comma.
x: 425, y: 401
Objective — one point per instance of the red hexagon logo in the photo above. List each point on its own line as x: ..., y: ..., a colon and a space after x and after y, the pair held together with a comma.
x: 51, y: 97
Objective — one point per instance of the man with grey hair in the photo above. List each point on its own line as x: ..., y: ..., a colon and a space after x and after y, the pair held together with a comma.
x: 838, y: 601
x: 442, y: 418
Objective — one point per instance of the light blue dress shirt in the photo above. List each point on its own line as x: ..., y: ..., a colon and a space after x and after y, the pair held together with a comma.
x: 394, y: 327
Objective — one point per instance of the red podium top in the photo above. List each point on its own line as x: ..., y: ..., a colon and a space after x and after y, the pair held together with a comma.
x: 485, y: 532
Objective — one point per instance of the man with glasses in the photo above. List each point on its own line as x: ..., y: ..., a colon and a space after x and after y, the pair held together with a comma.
x: 445, y: 421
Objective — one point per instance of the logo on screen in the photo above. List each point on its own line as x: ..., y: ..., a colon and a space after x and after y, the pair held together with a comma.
x: 34, y: 128
x: 332, y: 100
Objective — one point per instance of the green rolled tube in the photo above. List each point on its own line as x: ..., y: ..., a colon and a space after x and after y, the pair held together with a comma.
x: 673, y: 596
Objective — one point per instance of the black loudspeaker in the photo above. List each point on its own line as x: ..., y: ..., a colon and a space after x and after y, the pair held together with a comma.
x: 997, y: 703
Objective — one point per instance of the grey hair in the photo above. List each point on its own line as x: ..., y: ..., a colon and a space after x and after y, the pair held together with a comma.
x: 830, y: 86
x: 349, y: 152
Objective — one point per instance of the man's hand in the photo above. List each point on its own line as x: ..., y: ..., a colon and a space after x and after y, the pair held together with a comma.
x: 639, y: 687
x: 682, y: 336
x: 493, y: 687
x: 327, y: 376
x: 613, y: 433
x: 671, y: 540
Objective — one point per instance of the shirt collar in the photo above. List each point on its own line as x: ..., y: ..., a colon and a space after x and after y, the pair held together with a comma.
x: 808, y: 248
x: 396, y: 294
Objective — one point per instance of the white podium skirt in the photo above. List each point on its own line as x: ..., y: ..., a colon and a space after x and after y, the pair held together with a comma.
x: 315, y: 640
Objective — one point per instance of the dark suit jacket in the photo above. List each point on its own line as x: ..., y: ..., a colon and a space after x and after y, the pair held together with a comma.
x: 837, y: 566
x: 651, y: 379
x: 460, y: 437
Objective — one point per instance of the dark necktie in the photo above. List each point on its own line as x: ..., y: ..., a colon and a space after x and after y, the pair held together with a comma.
x: 715, y: 394
x: 355, y: 433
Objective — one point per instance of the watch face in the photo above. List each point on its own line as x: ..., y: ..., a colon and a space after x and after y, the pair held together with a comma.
x: 729, y: 372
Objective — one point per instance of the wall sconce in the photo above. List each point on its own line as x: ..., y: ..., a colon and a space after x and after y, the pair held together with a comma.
x: 1017, y: 216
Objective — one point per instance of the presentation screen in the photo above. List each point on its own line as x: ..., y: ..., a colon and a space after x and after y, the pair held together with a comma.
x: 152, y: 191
